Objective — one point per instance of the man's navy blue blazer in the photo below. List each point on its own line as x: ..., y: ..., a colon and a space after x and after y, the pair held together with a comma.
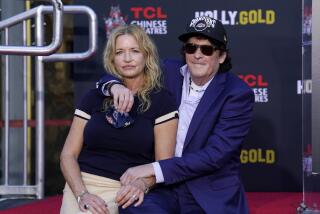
x: 210, y: 163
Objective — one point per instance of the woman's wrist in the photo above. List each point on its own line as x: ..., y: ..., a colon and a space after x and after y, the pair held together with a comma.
x: 146, y: 186
x: 140, y: 184
x: 81, y: 194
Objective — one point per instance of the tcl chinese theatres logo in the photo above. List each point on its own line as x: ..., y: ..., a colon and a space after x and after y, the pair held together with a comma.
x: 152, y: 19
x: 258, y: 85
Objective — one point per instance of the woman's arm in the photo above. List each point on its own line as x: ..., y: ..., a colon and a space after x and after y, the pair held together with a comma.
x: 71, y: 170
x: 165, y: 142
x: 69, y: 155
x: 165, y: 139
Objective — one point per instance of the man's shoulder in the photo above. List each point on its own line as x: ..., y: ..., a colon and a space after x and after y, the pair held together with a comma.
x: 171, y: 66
x: 172, y: 63
x: 234, y: 81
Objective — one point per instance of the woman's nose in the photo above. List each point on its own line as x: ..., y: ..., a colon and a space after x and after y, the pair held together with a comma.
x: 127, y: 56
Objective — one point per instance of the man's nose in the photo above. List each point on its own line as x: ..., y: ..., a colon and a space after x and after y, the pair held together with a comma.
x: 198, y: 53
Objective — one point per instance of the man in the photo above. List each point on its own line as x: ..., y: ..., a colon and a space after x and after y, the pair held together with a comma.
x: 215, y: 112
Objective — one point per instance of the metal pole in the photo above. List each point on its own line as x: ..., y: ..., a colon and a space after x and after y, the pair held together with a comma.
x: 6, y: 113
x: 38, y: 188
x: 25, y: 112
x: 93, y: 31
x: 39, y: 109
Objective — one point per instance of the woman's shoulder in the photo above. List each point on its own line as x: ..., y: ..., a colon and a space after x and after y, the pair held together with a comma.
x: 162, y: 92
x: 91, y: 99
x: 161, y: 95
x: 164, y: 105
x: 93, y: 94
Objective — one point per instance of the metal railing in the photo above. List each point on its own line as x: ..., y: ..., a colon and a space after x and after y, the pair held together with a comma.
x: 37, y: 13
x: 42, y: 55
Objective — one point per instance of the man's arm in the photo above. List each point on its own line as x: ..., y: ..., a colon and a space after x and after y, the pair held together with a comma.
x: 103, y: 83
x: 223, y: 143
x: 122, y: 97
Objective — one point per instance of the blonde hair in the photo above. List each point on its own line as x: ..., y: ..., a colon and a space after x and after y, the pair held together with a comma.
x: 152, y: 71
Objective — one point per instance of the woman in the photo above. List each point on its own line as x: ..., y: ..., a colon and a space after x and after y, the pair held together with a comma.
x: 103, y: 143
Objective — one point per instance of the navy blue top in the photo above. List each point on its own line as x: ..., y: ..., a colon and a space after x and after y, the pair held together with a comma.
x: 109, y: 151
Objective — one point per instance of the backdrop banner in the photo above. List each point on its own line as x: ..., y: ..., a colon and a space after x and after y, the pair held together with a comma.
x: 265, y: 45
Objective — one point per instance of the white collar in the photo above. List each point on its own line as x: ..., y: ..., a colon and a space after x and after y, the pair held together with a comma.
x: 185, y: 72
x: 198, y: 90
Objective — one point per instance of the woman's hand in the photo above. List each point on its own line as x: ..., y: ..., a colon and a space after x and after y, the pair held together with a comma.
x: 93, y: 203
x: 133, y: 173
x: 131, y: 193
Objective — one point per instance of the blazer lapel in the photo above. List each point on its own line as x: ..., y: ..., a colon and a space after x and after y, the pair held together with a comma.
x: 210, y: 95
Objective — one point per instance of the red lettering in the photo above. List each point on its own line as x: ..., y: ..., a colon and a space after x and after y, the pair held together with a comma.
x: 160, y: 14
x: 253, y: 80
x: 149, y: 13
x: 136, y: 12
x: 261, y: 82
x: 250, y: 80
x: 240, y: 76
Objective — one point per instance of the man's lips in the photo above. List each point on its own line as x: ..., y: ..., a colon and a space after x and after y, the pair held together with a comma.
x: 198, y: 63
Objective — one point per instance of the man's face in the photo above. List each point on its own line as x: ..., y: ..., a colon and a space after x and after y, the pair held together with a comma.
x: 203, y: 67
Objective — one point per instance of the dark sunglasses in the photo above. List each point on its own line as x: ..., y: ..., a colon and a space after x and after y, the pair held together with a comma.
x: 207, y: 50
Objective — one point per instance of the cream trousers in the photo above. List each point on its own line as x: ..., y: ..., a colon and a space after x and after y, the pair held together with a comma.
x: 103, y: 187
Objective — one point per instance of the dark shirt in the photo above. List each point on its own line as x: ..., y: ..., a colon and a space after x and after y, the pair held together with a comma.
x: 109, y: 151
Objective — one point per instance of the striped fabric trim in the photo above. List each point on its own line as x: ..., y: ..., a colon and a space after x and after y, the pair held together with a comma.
x: 82, y: 114
x: 166, y: 117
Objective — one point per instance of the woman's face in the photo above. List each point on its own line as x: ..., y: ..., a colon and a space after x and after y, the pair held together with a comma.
x: 129, y: 60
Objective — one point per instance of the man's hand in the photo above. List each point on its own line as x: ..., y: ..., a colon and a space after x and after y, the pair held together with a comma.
x: 131, y: 193
x: 142, y: 171
x: 122, y: 98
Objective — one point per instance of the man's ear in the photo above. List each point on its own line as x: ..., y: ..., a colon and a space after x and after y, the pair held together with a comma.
x: 222, y: 57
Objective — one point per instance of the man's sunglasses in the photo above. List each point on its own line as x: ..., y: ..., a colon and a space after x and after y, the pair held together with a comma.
x: 207, y: 50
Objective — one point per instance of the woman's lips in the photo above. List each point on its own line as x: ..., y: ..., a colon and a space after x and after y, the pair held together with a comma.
x: 128, y: 67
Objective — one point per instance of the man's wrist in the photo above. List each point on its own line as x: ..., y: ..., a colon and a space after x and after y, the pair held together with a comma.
x: 158, y: 172
x: 104, y: 86
x: 109, y: 86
